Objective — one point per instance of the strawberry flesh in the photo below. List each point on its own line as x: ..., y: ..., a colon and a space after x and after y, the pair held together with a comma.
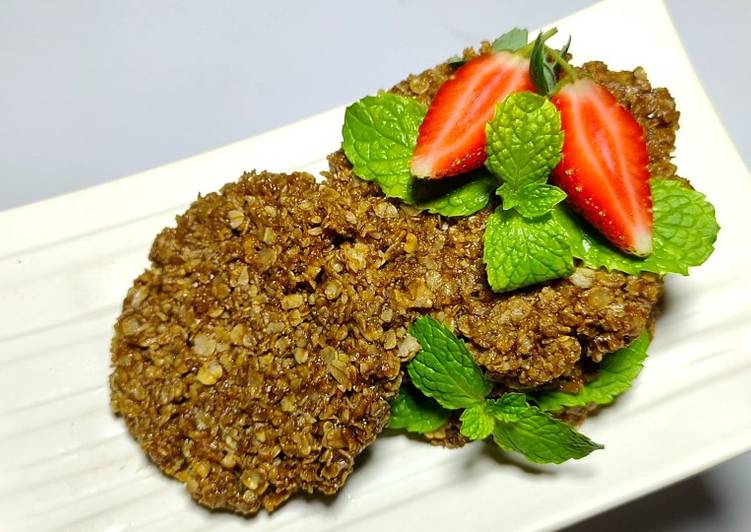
x: 451, y: 139
x: 604, y: 165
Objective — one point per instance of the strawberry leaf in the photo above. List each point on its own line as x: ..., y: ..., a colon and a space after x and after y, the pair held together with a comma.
x: 557, y: 67
x: 540, y: 71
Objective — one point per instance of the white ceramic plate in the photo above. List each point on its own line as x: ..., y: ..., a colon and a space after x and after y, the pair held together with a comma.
x: 67, y: 464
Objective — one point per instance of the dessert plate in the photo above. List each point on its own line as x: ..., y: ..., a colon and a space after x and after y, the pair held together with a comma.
x: 65, y: 264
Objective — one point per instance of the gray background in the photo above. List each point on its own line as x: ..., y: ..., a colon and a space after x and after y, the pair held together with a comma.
x: 93, y: 90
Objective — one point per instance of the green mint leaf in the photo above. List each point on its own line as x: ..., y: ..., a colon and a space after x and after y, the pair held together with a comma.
x: 521, y: 252
x: 444, y: 368
x: 412, y: 411
x: 684, y: 232
x: 685, y: 227
x: 617, y: 372
x: 573, y: 227
x: 380, y: 133
x: 536, y: 434
x: 542, y: 74
x: 511, y: 40
x: 524, y: 139
x: 531, y: 201
x: 477, y: 422
x: 458, y: 196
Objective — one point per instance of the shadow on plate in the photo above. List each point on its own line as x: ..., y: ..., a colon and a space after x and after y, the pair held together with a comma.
x: 672, y: 508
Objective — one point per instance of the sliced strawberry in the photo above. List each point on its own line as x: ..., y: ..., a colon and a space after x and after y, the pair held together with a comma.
x: 604, y: 165
x: 452, y: 137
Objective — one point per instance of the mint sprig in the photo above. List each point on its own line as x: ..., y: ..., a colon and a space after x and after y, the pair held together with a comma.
x: 379, y: 137
x: 616, y: 373
x: 524, y: 243
x: 445, y: 371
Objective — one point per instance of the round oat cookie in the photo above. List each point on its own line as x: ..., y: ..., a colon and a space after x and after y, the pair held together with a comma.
x: 246, y: 361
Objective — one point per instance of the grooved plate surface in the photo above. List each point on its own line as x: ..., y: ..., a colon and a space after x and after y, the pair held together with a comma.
x: 67, y: 464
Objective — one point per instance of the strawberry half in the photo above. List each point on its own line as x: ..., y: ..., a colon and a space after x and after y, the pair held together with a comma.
x: 451, y: 139
x: 604, y: 165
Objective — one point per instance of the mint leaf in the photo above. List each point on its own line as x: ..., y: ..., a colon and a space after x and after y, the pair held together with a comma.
x: 617, y: 372
x: 412, y: 411
x: 444, y: 369
x: 521, y: 252
x: 536, y: 434
x: 458, y: 196
x: 685, y: 225
x: 511, y: 40
x: 684, y: 232
x: 524, y: 139
x: 531, y: 201
x: 380, y: 133
x: 477, y: 422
